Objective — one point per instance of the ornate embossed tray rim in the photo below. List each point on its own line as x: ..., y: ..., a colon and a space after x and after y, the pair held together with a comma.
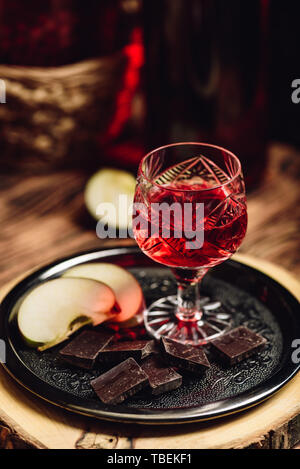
x: 24, y: 376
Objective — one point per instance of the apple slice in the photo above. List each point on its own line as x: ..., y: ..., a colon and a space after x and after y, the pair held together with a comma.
x: 106, y: 186
x: 129, y: 295
x: 51, y: 312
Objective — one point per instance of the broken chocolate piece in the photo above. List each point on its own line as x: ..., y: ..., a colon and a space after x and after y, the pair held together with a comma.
x: 238, y: 344
x: 184, y: 356
x: 84, y: 349
x: 120, y: 382
x: 161, y: 377
x: 115, y: 353
x: 154, y: 348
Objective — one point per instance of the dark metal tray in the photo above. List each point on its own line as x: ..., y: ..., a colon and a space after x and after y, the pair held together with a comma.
x: 254, y: 300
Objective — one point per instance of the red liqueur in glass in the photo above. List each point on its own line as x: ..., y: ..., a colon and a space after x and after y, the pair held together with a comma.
x: 190, y: 214
x: 224, y: 225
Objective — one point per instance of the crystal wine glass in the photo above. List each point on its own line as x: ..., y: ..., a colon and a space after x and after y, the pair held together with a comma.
x: 189, y: 214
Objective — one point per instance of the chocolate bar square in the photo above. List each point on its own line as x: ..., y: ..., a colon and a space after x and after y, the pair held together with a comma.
x: 120, y: 382
x: 161, y: 377
x: 184, y: 356
x: 237, y: 344
x: 84, y: 349
x: 117, y: 352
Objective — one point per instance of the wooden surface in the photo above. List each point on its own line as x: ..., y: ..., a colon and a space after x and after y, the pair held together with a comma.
x: 43, y: 218
x: 29, y: 422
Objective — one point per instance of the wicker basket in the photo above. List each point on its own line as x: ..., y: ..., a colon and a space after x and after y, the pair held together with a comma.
x: 55, y: 117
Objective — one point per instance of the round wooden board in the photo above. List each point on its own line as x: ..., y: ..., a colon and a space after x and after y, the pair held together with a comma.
x: 29, y: 422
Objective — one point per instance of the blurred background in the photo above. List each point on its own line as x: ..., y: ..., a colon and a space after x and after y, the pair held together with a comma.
x: 98, y: 83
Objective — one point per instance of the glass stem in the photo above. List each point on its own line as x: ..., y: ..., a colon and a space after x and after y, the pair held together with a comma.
x: 188, y: 294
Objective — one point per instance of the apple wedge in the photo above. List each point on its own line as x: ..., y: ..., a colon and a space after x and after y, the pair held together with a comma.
x: 106, y: 186
x: 51, y: 312
x: 129, y: 295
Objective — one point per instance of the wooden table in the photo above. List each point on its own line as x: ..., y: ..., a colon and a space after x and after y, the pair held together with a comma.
x: 43, y: 218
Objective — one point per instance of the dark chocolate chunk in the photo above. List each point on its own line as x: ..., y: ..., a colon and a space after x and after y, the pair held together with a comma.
x: 84, y: 349
x: 155, y: 348
x: 184, y: 356
x: 115, y: 353
x: 161, y: 377
x: 238, y: 344
x: 120, y: 382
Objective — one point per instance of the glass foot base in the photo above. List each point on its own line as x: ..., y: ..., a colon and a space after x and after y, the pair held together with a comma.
x: 161, y: 321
